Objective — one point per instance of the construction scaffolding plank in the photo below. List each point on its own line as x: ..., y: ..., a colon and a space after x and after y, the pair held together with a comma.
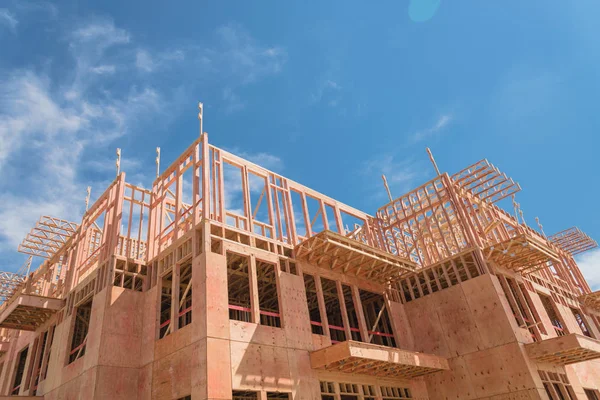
x: 368, y: 359
x: 573, y: 241
x: 523, y: 253
x: 27, y: 312
x: 336, y: 252
x: 47, y: 236
x: 564, y: 350
x: 486, y: 182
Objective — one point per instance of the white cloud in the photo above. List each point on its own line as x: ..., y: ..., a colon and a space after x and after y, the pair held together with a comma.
x: 401, y: 176
x: 589, y: 263
x: 232, y: 100
x: 104, y: 69
x: 328, y: 91
x: 151, y: 62
x: 101, y: 34
x: 144, y: 61
x: 242, y: 57
x: 46, y: 129
x: 442, y: 122
x: 8, y: 19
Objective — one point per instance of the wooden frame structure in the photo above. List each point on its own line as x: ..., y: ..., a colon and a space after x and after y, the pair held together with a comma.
x: 231, y: 276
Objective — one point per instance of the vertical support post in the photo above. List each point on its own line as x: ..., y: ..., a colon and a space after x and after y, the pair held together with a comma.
x: 343, y: 310
x: 360, y: 314
x: 206, y: 164
x: 254, y: 300
x: 322, y: 308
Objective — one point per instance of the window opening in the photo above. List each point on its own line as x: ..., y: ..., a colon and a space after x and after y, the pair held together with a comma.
x: 278, y: 395
x: 394, y: 393
x: 592, y: 394
x: 377, y: 319
x: 80, y: 331
x: 238, y: 287
x: 553, y: 315
x: 312, y: 300
x: 268, y: 299
x: 20, y: 371
x: 581, y: 322
x: 333, y: 310
x: 185, y: 295
x: 244, y: 395
x: 166, y: 299
x: 352, y: 316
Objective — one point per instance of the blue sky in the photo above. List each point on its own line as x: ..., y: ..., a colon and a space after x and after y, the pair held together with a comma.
x: 330, y: 94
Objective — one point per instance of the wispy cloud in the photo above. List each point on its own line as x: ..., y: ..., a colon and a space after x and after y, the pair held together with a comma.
x: 440, y: 124
x: 589, y: 263
x: 401, y: 175
x: 150, y: 62
x: 104, y: 69
x: 8, y: 19
x: 232, y: 100
x: 242, y: 57
x: 52, y: 126
x: 328, y: 92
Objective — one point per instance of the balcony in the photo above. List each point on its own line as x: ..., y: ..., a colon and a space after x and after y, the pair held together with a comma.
x: 367, y: 359
x: 564, y: 350
x: 27, y: 311
x: 521, y: 253
x: 591, y: 300
x: 336, y: 252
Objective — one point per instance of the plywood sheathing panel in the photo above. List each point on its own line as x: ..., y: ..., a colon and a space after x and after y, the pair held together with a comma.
x: 490, y: 310
x: 122, y: 329
x: 172, y: 374
x: 333, y: 251
x: 259, y: 334
x: 372, y: 360
x: 210, y: 297
x: 305, y: 384
x: 149, y: 320
x: 499, y: 370
x: 402, y: 326
x: 272, y: 362
x: 587, y: 374
x: 116, y: 383
x: 28, y: 312
x: 294, y: 308
x: 563, y: 350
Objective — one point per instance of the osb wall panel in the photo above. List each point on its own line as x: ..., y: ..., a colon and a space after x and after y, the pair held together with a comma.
x: 272, y: 362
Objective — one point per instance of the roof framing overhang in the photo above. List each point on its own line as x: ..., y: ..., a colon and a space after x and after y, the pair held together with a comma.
x: 521, y: 253
x: 333, y: 251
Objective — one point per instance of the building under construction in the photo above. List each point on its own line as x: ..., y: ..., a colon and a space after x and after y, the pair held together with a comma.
x: 229, y: 281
